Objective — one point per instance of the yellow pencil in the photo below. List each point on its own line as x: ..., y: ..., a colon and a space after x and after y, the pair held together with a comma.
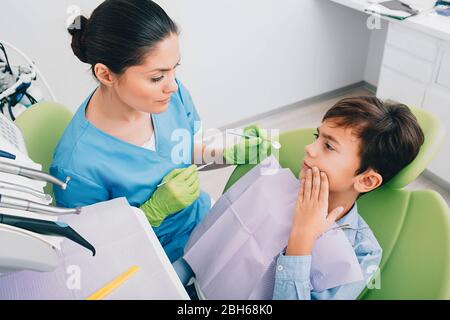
x: 103, y: 292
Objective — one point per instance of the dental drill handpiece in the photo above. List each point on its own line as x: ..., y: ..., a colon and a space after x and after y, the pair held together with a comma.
x: 22, y: 204
x: 32, y: 174
x: 17, y: 187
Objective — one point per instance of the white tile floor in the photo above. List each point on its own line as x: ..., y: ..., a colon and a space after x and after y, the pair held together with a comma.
x: 310, y: 115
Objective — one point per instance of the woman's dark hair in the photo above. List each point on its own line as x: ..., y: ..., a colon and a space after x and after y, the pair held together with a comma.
x: 119, y: 33
x: 390, y: 136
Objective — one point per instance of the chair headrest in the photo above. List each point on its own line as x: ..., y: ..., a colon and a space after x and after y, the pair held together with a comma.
x: 434, y: 133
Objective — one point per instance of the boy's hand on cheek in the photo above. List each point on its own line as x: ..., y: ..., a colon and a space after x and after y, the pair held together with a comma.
x: 311, y: 216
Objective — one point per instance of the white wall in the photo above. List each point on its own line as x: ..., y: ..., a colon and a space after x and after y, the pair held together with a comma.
x: 41, y: 34
x: 239, y: 58
x: 242, y: 58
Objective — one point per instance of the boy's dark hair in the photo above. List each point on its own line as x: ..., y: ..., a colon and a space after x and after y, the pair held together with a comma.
x: 390, y: 136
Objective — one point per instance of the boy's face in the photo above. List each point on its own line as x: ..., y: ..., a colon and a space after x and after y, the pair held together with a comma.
x: 335, y: 152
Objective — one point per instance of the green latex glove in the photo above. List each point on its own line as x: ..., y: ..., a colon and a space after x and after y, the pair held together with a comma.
x: 248, y: 150
x: 180, y: 189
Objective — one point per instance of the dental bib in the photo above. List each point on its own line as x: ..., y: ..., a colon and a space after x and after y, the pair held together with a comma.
x: 234, y: 251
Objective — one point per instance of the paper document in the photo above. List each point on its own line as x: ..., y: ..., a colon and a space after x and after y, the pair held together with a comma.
x: 393, y: 9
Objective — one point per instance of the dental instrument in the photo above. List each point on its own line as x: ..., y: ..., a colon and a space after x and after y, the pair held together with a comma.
x: 21, y: 204
x: 275, y: 144
x: 17, y: 187
x: 198, y: 169
x: 46, y: 227
x: 32, y: 174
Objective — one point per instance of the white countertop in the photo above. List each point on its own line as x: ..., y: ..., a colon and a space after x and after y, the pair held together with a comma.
x: 427, y: 22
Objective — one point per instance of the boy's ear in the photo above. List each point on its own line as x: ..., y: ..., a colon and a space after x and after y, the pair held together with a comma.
x: 367, y: 181
x: 103, y: 74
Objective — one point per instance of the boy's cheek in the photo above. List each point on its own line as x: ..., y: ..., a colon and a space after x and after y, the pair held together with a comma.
x: 339, y: 183
x: 335, y: 182
x: 332, y: 187
x: 331, y: 181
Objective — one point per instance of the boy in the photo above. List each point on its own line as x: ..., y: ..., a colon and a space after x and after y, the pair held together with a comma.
x: 361, y: 144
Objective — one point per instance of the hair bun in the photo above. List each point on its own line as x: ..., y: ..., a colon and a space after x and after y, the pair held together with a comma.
x: 77, y: 30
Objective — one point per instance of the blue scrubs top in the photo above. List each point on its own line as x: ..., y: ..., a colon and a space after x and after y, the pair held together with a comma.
x: 103, y: 167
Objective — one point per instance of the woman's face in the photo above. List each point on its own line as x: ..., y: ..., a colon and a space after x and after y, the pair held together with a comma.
x: 147, y: 87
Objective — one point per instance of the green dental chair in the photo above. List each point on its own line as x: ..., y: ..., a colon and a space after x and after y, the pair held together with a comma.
x: 412, y: 227
x: 42, y: 126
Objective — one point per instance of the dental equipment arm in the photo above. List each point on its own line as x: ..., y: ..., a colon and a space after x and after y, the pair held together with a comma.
x: 17, y: 187
x: 21, y: 204
x: 32, y: 174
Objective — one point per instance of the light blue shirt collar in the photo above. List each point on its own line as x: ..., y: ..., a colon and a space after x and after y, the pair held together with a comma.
x: 351, y: 218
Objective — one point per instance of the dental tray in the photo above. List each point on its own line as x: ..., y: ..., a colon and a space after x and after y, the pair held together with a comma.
x: 25, y: 251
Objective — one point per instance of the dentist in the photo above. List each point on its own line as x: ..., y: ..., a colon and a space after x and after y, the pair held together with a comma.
x: 120, y: 141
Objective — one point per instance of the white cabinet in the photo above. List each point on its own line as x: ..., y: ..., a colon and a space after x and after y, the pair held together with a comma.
x: 443, y: 75
x: 408, y: 64
x: 438, y: 102
x: 416, y: 43
x: 399, y: 87
x: 416, y: 71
